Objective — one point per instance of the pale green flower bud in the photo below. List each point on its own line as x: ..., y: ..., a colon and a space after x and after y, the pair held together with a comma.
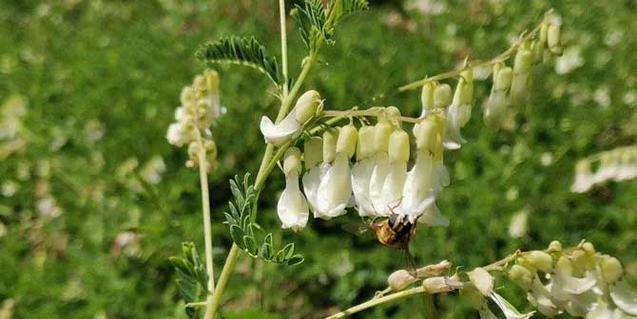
x: 464, y: 91
x: 292, y: 161
x: 553, y: 39
x: 329, y: 146
x: 544, y: 31
x: 427, y: 96
x: 521, y: 276
x: 521, y: 68
x: 365, y: 147
x: 426, y: 133
x: 346, y: 142
x: 589, y: 248
x: 306, y: 106
x: 482, y: 280
x: 537, y: 51
x: 400, y: 279
x: 442, y: 96
x: 555, y: 246
x: 399, y: 146
x: 382, y: 132
x: 611, y: 268
x: 502, y: 79
x: 580, y: 260
x: 540, y: 260
x: 564, y: 265
x: 312, y: 152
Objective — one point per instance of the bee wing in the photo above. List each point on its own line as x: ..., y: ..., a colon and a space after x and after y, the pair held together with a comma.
x: 358, y: 230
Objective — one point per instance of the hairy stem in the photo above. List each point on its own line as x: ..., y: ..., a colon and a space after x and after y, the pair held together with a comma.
x: 455, y: 73
x: 205, y: 203
x: 377, y: 301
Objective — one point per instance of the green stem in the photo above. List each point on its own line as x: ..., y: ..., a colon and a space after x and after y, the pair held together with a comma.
x: 377, y: 301
x: 284, y: 47
x: 228, y: 268
x: 205, y: 202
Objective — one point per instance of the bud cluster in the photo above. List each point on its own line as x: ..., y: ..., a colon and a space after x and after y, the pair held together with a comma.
x: 619, y: 164
x: 200, y: 107
x: 367, y: 167
x: 578, y: 281
x: 510, y: 84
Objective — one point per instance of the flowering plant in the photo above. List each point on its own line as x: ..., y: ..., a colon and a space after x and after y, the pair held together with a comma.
x: 358, y: 159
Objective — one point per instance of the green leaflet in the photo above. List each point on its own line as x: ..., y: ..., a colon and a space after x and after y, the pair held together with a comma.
x: 241, y: 220
x: 240, y: 51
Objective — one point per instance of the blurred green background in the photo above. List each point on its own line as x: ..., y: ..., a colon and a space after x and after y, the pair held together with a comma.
x: 93, y: 200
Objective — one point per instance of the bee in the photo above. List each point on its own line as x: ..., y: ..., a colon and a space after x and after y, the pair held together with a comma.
x: 394, y: 231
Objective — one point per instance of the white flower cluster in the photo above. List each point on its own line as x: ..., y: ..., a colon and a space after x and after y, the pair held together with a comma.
x: 618, y: 165
x: 199, y: 109
x: 510, y: 84
x: 578, y: 281
x: 378, y: 182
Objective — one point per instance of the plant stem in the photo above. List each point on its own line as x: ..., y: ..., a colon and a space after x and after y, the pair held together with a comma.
x: 455, y: 73
x: 205, y: 202
x: 228, y: 268
x: 284, y: 47
x: 378, y: 301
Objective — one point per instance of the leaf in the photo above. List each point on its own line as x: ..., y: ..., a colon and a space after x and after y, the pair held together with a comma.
x: 250, y: 245
x: 191, y: 276
x: 240, y: 51
x: 295, y: 260
x: 237, y: 235
x: 311, y: 18
x: 288, y: 250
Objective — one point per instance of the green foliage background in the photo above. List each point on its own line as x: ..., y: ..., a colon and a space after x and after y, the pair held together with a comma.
x: 101, y: 79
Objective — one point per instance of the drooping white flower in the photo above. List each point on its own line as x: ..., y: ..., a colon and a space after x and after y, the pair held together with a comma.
x: 281, y: 132
x: 624, y: 297
x: 601, y: 310
x: 335, y: 189
x: 292, y: 207
x: 496, y: 107
x: 382, y: 133
x: 459, y: 112
x: 521, y: 73
x: 316, y: 169
x: 424, y: 180
x: 398, y: 154
x: 362, y: 171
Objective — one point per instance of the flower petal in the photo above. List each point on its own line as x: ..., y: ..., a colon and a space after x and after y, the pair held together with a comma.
x: 379, y: 173
x: 311, y: 183
x: 280, y: 133
x: 361, y: 176
x: 335, y: 189
x: 508, y: 309
x: 292, y: 206
x: 624, y: 298
x: 393, y: 186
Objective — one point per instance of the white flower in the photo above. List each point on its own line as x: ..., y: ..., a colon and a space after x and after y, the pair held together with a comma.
x: 508, y: 310
x: 281, y: 132
x: 335, y: 189
x: 459, y: 113
x: 496, y: 107
x: 292, y: 206
x: 362, y: 171
x: 624, y: 298
x: 398, y: 152
x: 601, y: 311
x: 174, y: 135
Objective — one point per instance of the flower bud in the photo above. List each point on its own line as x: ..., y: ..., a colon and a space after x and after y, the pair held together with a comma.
x: 292, y: 161
x: 544, y: 31
x: 564, y: 265
x: 502, y: 79
x: 435, y: 285
x: 365, y: 146
x: 521, y: 276
x: 442, y: 96
x: 346, y: 142
x: 427, y: 96
x: 400, y: 279
x: 540, y: 260
x: 611, y: 268
x: 555, y: 246
x: 580, y: 261
x: 312, y: 152
x: 537, y: 51
x: 464, y: 92
x: 329, y: 146
x: 553, y: 39
x: 382, y: 132
x: 589, y: 248
x: 521, y: 68
x: 399, y: 146
x: 426, y: 133
x: 482, y: 280
x: 306, y: 106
